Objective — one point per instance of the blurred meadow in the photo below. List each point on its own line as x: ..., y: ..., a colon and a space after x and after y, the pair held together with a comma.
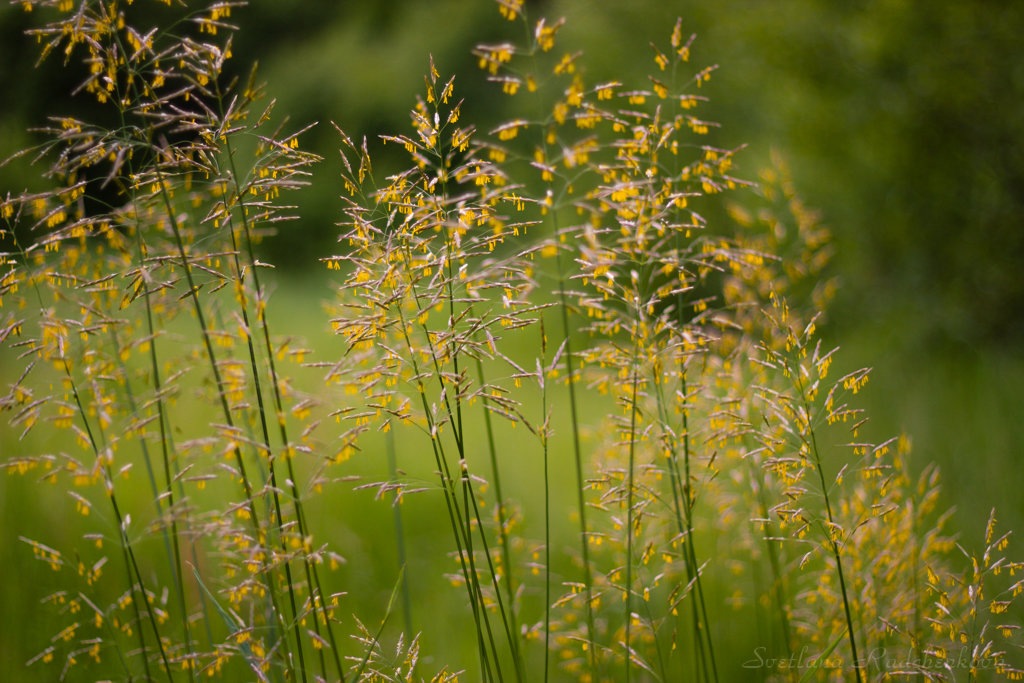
x: 902, y: 125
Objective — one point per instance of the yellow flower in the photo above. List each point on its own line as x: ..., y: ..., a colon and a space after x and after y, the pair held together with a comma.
x: 545, y: 34
x: 509, y: 130
x: 566, y: 65
x: 510, y: 9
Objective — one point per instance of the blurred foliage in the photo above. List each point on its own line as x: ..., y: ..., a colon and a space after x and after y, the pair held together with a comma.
x: 902, y: 121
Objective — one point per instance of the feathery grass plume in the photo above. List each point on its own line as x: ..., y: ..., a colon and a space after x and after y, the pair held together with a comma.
x: 152, y: 219
x: 563, y: 275
x: 886, y: 524
x: 793, y: 417
x: 417, y: 298
x: 781, y: 247
x: 973, y: 630
x: 635, y: 257
x: 850, y: 525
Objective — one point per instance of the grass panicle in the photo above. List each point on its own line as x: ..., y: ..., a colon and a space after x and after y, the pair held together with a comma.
x: 585, y: 347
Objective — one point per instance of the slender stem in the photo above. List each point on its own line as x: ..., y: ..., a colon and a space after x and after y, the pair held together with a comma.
x: 563, y: 306
x: 126, y: 549
x: 547, y: 510
x: 450, y: 499
x: 832, y: 526
x: 250, y: 502
x: 399, y: 535
x: 633, y: 410
x: 506, y: 554
x: 510, y: 633
x: 688, y: 498
x: 773, y: 559
x: 131, y: 566
x: 834, y: 544
x: 312, y: 573
x: 262, y: 409
x: 171, y: 541
x: 467, y: 496
x: 581, y: 505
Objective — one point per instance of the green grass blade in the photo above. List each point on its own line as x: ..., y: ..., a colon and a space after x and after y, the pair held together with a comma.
x: 816, y: 664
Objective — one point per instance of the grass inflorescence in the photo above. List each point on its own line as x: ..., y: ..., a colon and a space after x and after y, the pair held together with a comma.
x: 581, y: 335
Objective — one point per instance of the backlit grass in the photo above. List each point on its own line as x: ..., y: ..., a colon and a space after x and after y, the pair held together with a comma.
x: 573, y: 358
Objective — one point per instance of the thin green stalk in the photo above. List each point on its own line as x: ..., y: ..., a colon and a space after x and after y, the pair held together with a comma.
x: 399, y: 535
x: 670, y: 444
x: 833, y: 544
x: 129, y: 556
x: 563, y: 305
x: 588, y: 581
x: 683, y: 497
x: 773, y: 560
x: 262, y: 413
x: 455, y: 421
x: 466, y: 530
x: 509, y: 631
x: 271, y: 464
x: 124, y: 543
x: 357, y: 675
x: 682, y: 481
x: 547, y: 506
x: 777, y: 575
x: 467, y: 495
x: 203, y: 600
x: 506, y: 554
x: 682, y: 500
x: 171, y: 542
x: 857, y: 664
x: 454, y: 350
x: 547, y: 557
x: 226, y: 409
x: 312, y: 574
x: 176, y: 564
x: 451, y: 502
x: 459, y: 434
x: 658, y: 648
x: 688, y: 499
x: 629, y: 511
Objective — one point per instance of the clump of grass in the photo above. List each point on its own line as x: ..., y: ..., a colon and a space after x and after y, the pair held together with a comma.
x: 562, y: 293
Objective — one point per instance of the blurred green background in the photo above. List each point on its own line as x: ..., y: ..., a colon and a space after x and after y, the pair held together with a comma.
x: 903, y: 123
